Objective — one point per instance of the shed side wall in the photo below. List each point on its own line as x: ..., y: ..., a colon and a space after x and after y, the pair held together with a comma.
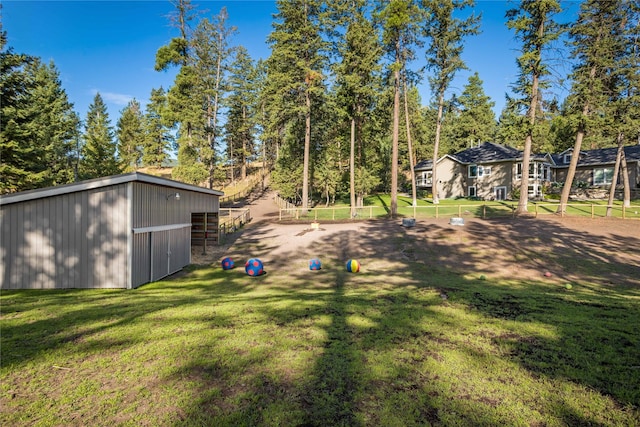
x: 74, y: 240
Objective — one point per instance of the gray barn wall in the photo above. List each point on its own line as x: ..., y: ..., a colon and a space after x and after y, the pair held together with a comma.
x: 74, y: 240
x: 161, y: 241
x: 113, y: 236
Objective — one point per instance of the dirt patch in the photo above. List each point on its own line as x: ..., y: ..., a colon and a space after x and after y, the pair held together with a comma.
x: 508, y: 248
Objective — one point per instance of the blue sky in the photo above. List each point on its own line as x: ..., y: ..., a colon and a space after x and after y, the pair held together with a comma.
x: 110, y: 46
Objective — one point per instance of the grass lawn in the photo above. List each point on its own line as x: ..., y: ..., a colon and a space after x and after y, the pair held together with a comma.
x: 401, y: 343
x: 378, y: 206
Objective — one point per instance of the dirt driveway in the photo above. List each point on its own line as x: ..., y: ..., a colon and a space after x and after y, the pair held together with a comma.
x: 520, y: 248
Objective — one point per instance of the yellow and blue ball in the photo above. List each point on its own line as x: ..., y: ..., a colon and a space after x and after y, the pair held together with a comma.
x: 353, y: 266
x: 227, y: 264
x: 254, y: 267
x: 315, y: 264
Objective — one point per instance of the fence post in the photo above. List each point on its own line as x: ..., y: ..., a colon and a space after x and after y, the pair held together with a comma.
x: 370, y: 212
x: 484, y: 211
x: 592, y: 210
x: 536, y: 205
x: 437, y: 209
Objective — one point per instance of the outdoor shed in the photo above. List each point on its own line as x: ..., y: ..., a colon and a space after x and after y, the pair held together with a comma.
x: 116, y: 232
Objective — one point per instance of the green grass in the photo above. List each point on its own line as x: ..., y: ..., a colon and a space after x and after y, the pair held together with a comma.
x: 397, y: 344
x: 378, y: 206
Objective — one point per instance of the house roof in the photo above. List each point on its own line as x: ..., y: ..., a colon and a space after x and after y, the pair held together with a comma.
x: 487, y: 152
x: 99, y: 183
x: 599, y: 156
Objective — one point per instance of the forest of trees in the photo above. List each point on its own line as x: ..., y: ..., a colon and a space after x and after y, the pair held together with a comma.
x: 335, y: 110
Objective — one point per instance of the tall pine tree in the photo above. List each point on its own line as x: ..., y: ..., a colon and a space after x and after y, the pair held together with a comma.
x: 476, y: 123
x: 535, y: 28
x: 99, y: 151
x: 597, y: 42
x: 444, y: 57
x: 158, y: 137
x: 130, y: 132
x: 296, y: 80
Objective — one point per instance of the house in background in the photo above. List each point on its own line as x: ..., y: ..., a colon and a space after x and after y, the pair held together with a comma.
x: 115, y: 232
x: 489, y: 171
x: 492, y: 171
x: 595, y: 167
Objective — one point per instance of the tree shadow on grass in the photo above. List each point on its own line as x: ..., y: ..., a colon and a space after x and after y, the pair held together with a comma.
x: 400, y: 342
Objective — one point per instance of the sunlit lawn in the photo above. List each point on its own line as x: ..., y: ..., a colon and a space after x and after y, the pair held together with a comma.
x: 390, y: 346
x: 379, y: 206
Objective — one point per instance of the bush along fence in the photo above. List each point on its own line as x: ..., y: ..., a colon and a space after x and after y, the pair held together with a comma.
x: 289, y: 211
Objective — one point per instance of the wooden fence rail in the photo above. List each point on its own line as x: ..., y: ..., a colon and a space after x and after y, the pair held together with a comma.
x: 231, y: 220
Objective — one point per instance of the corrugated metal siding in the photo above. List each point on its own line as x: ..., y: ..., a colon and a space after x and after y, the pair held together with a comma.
x: 84, y: 239
x: 158, y: 254
x: 141, y: 259
x: 75, y: 240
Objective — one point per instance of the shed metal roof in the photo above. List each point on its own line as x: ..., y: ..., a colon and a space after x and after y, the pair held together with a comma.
x: 99, y: 183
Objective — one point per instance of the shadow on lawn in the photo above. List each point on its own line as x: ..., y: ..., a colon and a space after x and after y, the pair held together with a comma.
x: 361, y: 351
x: 405, y: 328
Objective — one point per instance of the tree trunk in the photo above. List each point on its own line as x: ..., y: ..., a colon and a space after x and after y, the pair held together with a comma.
x: 566, y: 189
x: 411, y: 164
x: 625, y: 180
x: 243, y: 156
x: 307, y: 145
x: 394, y: 143
x: 352, y: 170
x: 436, y: 148
x: 526, y: 155
x: 571, y: 172
x: 614, y: 178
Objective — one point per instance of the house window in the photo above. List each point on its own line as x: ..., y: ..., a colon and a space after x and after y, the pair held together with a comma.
x: 567, y: 158
x: 476, y: 171
x: 425, y: 179
x: 602, y: 176
x: 536, y: 171
x: 471, y: 191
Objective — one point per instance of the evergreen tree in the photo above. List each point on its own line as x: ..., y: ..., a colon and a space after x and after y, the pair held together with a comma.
x: 476, y: 122
x: 598, y: 45
x: 38, y: 126
x: 357, y: 81
x: 444, y: 56
x: 157, y: 139
x: 242, y: 103
x: 624, y: 89
x: 399, y: 19
x: 535, y: 28
x: 296, y: 79
x: 211, y: 54
x: 99, y: 154
x: 131, y: 135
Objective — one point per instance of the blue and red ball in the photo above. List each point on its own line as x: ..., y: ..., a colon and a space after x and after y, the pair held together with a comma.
x: 315, y: 264
x: 227, y: 264
x: 254, y: 267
